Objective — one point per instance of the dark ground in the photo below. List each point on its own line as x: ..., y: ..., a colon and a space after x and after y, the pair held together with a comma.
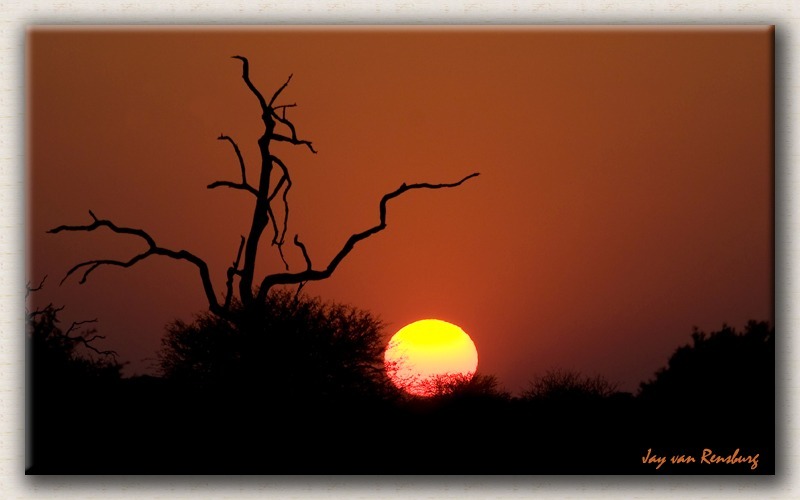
x: 148, y: 426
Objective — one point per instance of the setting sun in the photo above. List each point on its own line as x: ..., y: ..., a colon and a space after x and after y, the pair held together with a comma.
x: 423, y: 355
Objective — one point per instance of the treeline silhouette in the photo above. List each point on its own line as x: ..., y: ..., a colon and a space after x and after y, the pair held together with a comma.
x: 298, y: 386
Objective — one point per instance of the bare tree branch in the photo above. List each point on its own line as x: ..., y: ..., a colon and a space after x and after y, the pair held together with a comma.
x: 278, y: 187
x: 246, y: 77
x: 293, y: 140
x: 305, y: 252
x: 238, y: 155
x: 315, y: 275
x: 263, y: 216
x: 284, y: 106
x: 282, y: 118
x: 153, y: 249
x: 88, y: 344
x: 76, y: 324
x: 232, y: 271
x: 275, y: 240
x: 233, y: 185
x: 241, y: 185
x: 30, y: 289
x: 278, y: 92
x: 299, y: 289
x: 48, y: 309
x: 285, y: 178
x: 283, y: 257
x: 262, y: 211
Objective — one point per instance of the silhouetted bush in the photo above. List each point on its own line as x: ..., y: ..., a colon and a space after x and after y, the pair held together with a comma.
x: 723, y: 367
x: 66, y: 357
x: 462, y: 386
x: 68, y: 380
x: 293, y: 346
x: 566, y: 385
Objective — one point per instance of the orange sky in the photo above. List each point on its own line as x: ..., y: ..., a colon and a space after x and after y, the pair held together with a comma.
x: 625, y: 193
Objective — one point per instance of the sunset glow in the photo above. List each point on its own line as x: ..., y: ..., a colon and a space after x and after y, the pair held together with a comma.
x: 225, y: 218
x: 608, y: 151
x: 428, y: 352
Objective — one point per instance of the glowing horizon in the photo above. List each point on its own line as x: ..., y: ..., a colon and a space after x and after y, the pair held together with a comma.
x: 428, y: 352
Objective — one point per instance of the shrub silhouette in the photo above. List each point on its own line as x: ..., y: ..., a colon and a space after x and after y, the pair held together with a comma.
x: 725, y: 367
x: 293, y: 347
x: 66, y: 375
x: 66, y: 357
x: 462, y: 386
x: 566, y: 385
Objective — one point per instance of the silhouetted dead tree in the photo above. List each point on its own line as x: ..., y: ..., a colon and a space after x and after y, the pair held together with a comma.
x: 264, y: 216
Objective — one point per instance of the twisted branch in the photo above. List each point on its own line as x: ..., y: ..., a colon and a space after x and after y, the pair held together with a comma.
x: 311, y: 274
x: 242, y: 185
x: 263, y: 213
x: 153, y: 249
x: 305, y: 252
x: 76, y: 324
x: 275, y: 241
x: 288, y: 181
x: 246, y: 76
x: 88, y: 342
x: 232, y: 271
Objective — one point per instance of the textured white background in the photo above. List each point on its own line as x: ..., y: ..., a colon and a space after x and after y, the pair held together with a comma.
x: 17, y: 14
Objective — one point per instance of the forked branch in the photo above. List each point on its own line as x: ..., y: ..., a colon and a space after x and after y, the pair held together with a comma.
x: 264, y: 215
x: 311, y: 274
x: 87, y: 342
x: 153, y: 249
x: 278, y: 92
x: 29, y: 288
x: 242, y: 185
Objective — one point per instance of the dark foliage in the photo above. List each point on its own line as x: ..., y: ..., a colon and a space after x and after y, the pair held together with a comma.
x: 565, y: 385
x: 66, y: 357
x: 233, y: 413
x: 66, y: 376
x: 717, y: 393
x: 721, y: 368
x: 477, y: 386
x: 293, y: 347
